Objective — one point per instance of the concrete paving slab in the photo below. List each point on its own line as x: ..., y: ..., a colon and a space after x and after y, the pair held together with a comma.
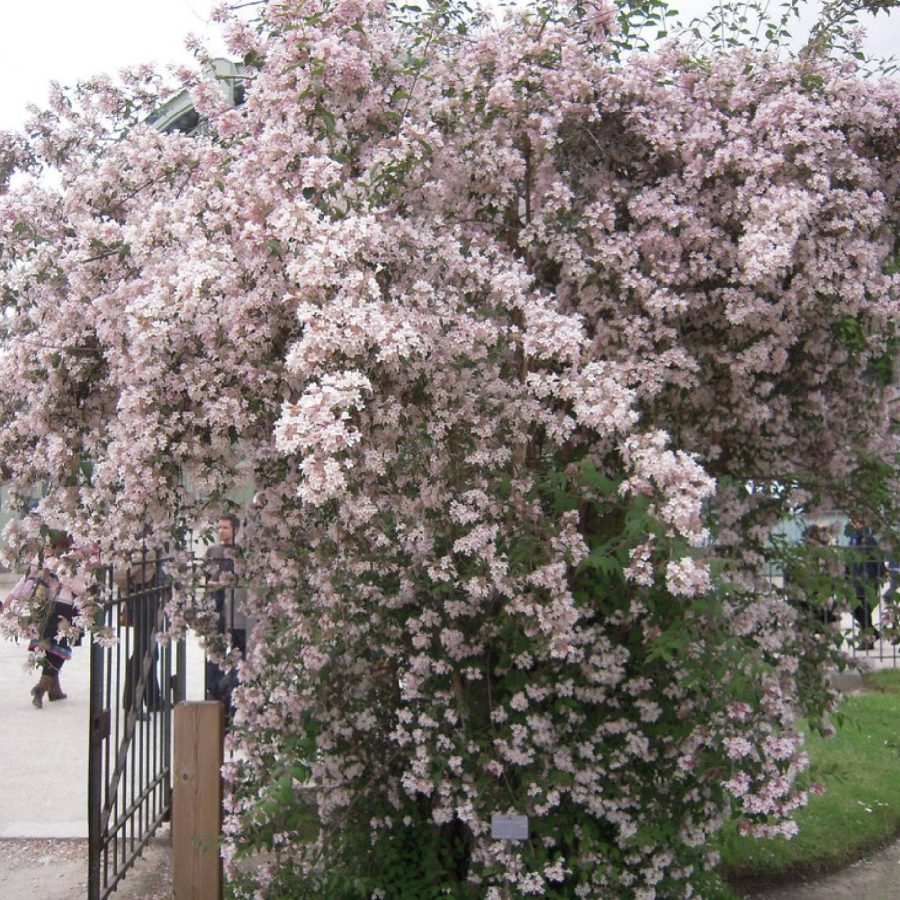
x: 43, y: 779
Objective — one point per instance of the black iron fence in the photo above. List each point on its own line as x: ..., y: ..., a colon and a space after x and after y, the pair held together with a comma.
x: 850, y: 589
x: 135, y: 682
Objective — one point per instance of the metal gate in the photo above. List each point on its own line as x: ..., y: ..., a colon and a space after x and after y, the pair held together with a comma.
x: 133, y: 692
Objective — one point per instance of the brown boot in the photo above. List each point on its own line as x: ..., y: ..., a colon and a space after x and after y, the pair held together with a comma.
x: 38, y: 691
x: 55, y: 692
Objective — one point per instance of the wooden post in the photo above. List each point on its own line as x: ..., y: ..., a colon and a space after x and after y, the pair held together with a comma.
x: 197, y: 801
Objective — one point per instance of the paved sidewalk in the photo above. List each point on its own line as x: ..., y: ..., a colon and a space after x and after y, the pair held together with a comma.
x: 43, y: 778
x: 44, y: 752
x: 43, y: 784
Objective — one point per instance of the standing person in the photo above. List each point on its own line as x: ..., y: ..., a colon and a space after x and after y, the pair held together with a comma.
x: 224, y: 559
x: 138, y: 609
x: 56, y: 595
x: 864, y: 571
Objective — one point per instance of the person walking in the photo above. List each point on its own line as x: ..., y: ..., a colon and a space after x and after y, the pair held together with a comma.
x: 51, y: 597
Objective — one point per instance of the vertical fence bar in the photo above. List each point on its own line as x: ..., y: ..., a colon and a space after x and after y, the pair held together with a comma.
x: 99, y: 724
x: 180, y: 686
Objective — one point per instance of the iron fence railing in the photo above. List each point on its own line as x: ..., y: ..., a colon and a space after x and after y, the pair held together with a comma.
x: 856, y: 594
x: 133, y: 692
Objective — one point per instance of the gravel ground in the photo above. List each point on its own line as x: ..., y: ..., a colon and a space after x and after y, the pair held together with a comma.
x: 58, y: 870
x: 877, y: 877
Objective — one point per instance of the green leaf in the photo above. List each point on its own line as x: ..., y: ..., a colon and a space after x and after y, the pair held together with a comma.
x: 592, y: 477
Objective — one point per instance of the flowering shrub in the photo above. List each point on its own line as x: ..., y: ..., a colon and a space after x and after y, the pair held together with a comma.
x: 499, y: 327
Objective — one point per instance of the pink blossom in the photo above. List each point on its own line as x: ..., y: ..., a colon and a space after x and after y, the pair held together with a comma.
x: 687, y: 577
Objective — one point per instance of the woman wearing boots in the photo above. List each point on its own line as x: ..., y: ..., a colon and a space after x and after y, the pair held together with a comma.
x: 52, y: 646
x: 55, y: 647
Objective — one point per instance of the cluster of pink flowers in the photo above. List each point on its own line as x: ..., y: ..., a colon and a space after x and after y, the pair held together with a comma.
x: 496, y: 330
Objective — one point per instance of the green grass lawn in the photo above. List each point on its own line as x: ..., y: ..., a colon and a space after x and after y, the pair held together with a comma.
x: 860, y: 809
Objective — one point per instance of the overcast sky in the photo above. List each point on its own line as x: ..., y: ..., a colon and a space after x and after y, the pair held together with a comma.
x: 67, y: 40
